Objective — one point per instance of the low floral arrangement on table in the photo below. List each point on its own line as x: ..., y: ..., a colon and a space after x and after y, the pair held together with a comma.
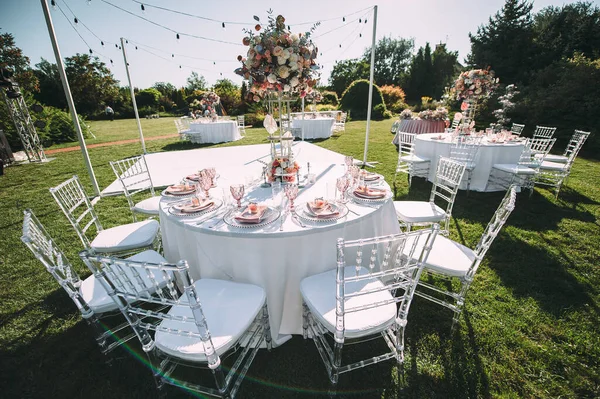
x: 278, y: 60
x: 314, y: 97
x: 282, y: 166
x: 476, y: 83
x: 406, y: 114
x: 439, y: 114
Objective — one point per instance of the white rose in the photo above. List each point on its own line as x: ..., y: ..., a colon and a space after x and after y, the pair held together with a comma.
x: 272, y: 78
x: 295, y: 38
x: 281, y: 60
x: 294, y: 66
x: 286, y: 53
x: 293, y: 58
x: 287, y: 88
x: 278, y: 171
x: 283, y: 71
x: 294, y: 81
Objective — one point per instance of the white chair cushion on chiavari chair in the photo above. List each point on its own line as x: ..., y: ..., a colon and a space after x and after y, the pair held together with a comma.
x: 148, y: 206
x: 96, y: 296
x: 448, y: 257
x: 515, y: 168
x: 229, y: 309
x: 552, y: 166
x: 126, y: 237
x: 318, y: 292
x: 413, y: 158
x: 418, y: 211
x: 556, y: 158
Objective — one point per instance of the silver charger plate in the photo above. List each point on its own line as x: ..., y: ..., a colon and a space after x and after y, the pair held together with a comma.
x: 375, y: 181
x: 175, y: 212
x: 358, y: 199
x: 166, y: 194
x: 271, y: 214
x: 305, y: 214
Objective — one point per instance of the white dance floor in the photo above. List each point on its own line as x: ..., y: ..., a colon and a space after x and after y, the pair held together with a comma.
x: 170, y: 167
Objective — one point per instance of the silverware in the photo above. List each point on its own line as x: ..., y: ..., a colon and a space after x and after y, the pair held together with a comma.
x: 283, y: 220
x: 350, y: 210
x: 297, y: 219
x: 218, y: 223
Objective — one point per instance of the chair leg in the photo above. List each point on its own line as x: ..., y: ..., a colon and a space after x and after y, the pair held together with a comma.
x: 304, y: 320
x: 266, y: 327
x: 469, y: 174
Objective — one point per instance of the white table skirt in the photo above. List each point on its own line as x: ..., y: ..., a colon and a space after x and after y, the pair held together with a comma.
x: 214, y: 132
x: 274, y: 260
x: 320, y: 128
x: 488, y: 155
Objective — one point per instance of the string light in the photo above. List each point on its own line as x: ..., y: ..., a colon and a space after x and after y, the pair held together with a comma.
x: 223, y: 25
x: 91, y: 52
x: 177, y: 36
x: 53, y: 4
x: 343, y: 19
x: 75, y: 20
x: 102, y: 43
x: 143, y: 8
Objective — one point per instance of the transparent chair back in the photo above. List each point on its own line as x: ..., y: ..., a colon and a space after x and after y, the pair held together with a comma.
x: 576, y: 142
x: 49, y: 254
x: 544, y: 132
x: 465, y: 151
x: 134, y: 176
x: 541, y: 147
x: 448, y: 175
x: 455, y: 121
x: 75, y: 204
x: 517, y: 129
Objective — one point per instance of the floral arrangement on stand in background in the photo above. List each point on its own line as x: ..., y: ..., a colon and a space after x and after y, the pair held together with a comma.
x: 439, y: 114
x: 406, y: 114
x: 278, y: 60
x: 210, y: 99
x: 474, y: 84
x: 507, y: 104
x: 282, y: 168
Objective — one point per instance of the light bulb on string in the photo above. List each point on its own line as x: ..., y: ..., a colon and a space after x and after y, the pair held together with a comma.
x: 360, y: 20
x: 53, y: 4
x: 91, y: 52
x: 172, y: 55
x: 365, y: 20
x: 179, y: 66
x: 116, y: 45
x: 360, y: 35
x: 343, y: 19
x: 111, y: 61
x: 75, y: 20
x: 120, y: 48
x: 177, y: 36
x: 143, y: 8
x: 223, y: 25
x: 102, y: 43
x: 136, y: 47
x: 127, y: 41
x: 340, y: 46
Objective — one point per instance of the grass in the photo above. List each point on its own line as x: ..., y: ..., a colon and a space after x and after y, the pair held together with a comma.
x: 529, y: 330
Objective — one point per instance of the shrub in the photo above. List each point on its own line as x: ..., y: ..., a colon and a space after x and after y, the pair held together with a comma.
x: 379, y: 112
x: 330, y: 98
x: 394, y: 98
x: 59, y: 127
x: 254, y: 119
x: 326, y: 107
x: 355, y: 99
x: 148, y: 97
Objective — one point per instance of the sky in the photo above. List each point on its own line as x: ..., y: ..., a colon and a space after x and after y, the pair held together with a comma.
x: 160, y: 57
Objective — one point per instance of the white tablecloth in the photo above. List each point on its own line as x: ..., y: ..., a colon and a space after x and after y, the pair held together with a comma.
x: 488, y: 155
x: 320, y: 128
x: 274, y: 260
x: 214, y: 132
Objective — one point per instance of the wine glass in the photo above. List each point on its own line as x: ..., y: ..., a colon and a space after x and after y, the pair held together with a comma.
x: 291, y: 192
x: 205, y: 182
x: 354, y: 172
x: 212, y: 173
x: 342, y: 184
x: 349, y: 161
x: 237, y: 192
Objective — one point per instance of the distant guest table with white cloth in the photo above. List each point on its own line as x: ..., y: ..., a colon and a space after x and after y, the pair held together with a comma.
x: 319, y: 128
x: 428, y: 146
x: 273, y: 259
x: 419, y: 127
x: 213, y: 132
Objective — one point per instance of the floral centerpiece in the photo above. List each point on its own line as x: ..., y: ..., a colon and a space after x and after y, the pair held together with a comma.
x: 406, y: 114
x: 439, y: 114
x: 474, y: 84
x: 278, y: 60
x: 282, y: 168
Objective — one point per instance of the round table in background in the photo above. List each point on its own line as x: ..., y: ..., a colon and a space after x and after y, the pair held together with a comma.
x: 213, y: 132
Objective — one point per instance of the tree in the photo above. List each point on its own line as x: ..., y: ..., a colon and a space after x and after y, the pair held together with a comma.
x: 230, y: 95
x: 12, y: 57
x: 148, y: 98
x: 392, y: 59
x: 416, y: 75
x: 51, y: 91
x: 355, y: 100
x: 165, y: 88
x: 347, y: 71
x: 445, y: 67
x: 196, y: 82
x: 505, y: 44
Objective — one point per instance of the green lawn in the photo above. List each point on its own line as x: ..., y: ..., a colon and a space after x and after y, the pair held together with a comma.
x: 530, y: 326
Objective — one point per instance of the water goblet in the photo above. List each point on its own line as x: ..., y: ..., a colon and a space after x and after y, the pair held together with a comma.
x: 342, y: 184
x: 237, y: 192
x: 349, y: 161
x: 291, y: 192
x: 212, y: 173
x: 205, y: 182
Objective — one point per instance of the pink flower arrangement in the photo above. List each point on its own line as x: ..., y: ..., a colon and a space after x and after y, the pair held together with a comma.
x: 476, y: 83
x: 283, y: 168
x: 278, y: 60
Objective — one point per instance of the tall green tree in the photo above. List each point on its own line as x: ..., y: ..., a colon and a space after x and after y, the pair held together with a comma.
x: 505, y: 43
x: 51, y: 90
x: 165, y: 88
x: 12, y: 57
x: 445, y: 67
x: 195, y: 82
x: 347, y: 71
x: 230, y: 95
x: 392, y: 60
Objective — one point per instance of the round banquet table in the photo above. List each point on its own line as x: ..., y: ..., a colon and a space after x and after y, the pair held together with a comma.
x: 273, y: 259
x: 418, y: 126
x: 427, y: 146
x: 213, y: 132
x: 319, y: 128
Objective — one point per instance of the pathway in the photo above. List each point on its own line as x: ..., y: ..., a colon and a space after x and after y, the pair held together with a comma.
x: 111, y: 143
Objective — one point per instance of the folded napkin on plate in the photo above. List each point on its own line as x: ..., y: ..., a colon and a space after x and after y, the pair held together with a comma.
x: 248, y: 217
x: 369, y: 176
x: 193, y: 177
x: 180, y: 189
x: 369, y: 193
x: 325, y: 211
x: 194, y: 206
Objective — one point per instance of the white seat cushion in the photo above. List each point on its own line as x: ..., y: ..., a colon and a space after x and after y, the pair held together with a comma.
x: 418, y: 211
x: 514, y: 168
x: 148, y: 206
x: 446, y: 256
x: 318, y: 292
x: 552, y: 166
x: 229, y: 309
x: 413, y: 158
x: 126, y: 237
x: 94, y: 294
x: 556, y: 158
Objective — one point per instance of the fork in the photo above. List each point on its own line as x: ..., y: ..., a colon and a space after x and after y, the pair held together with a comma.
x: 297, y: 219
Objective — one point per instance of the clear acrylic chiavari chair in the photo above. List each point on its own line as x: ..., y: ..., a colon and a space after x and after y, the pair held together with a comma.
x: 465, y: 152
x: 88, y: 295
x: 135, y: 178
x: 206, y: 323
x: 517, y: 129
x: 77, y: 207
x: 574, y: 142
x: 448, y: 176
x: 453, y: 261
x: 408, y: 162
x: 374, y: 282
x: 241, y: 124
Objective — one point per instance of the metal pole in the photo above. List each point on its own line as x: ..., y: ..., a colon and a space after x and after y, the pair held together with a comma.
x: 67, y: 89
x: 302, y: 118
x: 370, y: 102
x: 135, y: 110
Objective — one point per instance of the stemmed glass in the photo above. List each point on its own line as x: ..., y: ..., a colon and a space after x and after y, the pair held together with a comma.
x: 342, y: 184
x: 205, y: 182
x: 237, y: 192
x: 349, y: 161
x: 291, y: 192
x: 212, y: 173
x: 354, y: 173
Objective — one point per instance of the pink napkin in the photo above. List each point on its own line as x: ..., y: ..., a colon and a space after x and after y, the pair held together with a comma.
x: 194, y: 205
x: 180, y: 189
x: 369, y: 176
x: 248, y: 217
x: 194, y: 177
x: 369, y: 193
x: 325, y: 211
